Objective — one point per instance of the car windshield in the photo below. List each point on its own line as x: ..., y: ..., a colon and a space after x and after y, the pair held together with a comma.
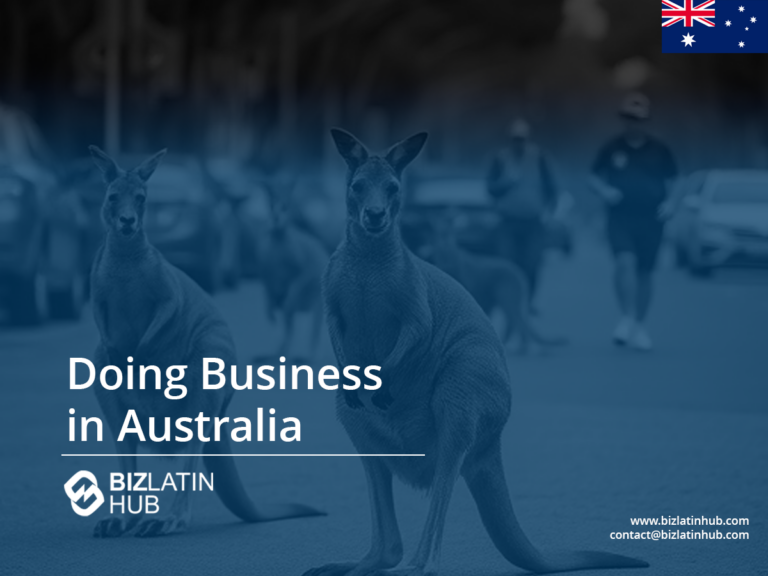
x: 753, y: 191
x: 452, y: 191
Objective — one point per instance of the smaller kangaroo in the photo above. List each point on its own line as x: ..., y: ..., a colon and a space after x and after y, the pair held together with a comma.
x: 494, y: 283
x: 292, y: 264
x: 148, y: 310
x: 445, y: 364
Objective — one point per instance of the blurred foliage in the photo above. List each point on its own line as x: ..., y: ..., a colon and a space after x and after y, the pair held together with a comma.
x: 289, y: 68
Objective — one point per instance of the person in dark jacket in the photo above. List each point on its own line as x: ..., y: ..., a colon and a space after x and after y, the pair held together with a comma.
x: 633, y: 175
x: 522, y: 184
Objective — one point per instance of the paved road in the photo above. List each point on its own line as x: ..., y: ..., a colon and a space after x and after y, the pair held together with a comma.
x: 597, y: 436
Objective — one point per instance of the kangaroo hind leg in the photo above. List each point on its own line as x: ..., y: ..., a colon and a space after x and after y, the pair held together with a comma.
x: 386, y: 544
x: 179, y: 516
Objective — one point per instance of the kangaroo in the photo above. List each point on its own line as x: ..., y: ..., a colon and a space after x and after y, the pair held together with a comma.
x: 292, y: 265
x: 149, y: 312
x: 446, y: 368
x: 495, y: 283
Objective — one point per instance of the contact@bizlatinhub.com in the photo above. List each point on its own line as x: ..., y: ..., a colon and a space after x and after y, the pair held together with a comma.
x: 668, y: 533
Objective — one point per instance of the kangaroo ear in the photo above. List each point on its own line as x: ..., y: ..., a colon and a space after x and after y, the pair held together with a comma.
x: 403, y: 153
x: 148, y: 167
x: 350, y: 148
x: 108, y: 167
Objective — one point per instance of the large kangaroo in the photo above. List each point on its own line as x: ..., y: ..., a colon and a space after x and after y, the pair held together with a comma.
x: 147, y: 309
x: 444, y: 368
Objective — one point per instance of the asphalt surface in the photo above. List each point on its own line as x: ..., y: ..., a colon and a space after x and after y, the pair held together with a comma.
x: 597, y: 435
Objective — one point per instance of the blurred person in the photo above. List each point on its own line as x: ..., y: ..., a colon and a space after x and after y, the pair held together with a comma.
x: 633, y: 175
x: 522, y: 184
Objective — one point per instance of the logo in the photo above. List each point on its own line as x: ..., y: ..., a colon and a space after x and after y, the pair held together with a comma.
x: 84, y: 494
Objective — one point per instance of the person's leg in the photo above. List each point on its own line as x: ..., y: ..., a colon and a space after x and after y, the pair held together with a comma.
x: 505, y: 241
x: 625, y: 283
x: 531, y: 253
x: 648, y: 240
x: 624, y: 280
x: 643, y: 294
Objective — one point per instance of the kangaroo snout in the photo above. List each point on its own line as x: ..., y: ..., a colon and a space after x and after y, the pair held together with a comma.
x: 127, y: 224
x: 375, y: 215
x: 374, y: 218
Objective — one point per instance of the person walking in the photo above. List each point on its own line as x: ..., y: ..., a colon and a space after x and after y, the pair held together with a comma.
x: 633, y: 175
x: 522, y: 185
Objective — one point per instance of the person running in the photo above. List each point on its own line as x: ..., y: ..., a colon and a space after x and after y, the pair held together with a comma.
x: 633, y: 175
x: 522, y: 185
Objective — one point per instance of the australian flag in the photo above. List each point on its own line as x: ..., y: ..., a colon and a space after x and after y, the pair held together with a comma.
x: 709, y: 26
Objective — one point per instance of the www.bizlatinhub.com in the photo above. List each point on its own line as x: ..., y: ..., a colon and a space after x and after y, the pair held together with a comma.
x: 668, y: 528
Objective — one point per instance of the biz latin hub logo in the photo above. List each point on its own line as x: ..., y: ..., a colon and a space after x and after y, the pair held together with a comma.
x: 132, y: 492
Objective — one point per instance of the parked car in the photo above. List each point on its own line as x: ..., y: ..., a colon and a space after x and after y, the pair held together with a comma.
x: 722, y: 220
x: 41, y: 229
x: 189, y: 218
x: 476, y: 218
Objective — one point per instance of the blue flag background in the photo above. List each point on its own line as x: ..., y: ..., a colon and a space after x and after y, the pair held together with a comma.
x: 722, y: 38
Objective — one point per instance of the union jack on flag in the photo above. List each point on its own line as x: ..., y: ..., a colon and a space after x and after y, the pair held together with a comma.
x: 687, y: 13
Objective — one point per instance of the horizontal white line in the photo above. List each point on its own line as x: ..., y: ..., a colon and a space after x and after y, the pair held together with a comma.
x: 250, y: 455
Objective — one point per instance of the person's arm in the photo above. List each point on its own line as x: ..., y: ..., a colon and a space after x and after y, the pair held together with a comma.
x: 673, y: 194
x: 494, y: 183
x: 597, y: 181
x: 549, y: 186
x: 605, y: 191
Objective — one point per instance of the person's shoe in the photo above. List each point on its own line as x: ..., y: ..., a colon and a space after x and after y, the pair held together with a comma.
x: 640, y: 340
x: 623, y: 331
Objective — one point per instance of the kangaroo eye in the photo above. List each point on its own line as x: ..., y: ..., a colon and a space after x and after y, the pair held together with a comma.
x: 112, y: 198
x: 140, y: 199
x: 392, y: 189
x: 357, y: 187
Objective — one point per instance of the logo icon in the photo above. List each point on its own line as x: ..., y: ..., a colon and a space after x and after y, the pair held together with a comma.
x: 84, y: 494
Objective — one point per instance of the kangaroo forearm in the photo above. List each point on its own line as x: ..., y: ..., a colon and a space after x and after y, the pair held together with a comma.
x: 163, y: 316
x: 407, y: 341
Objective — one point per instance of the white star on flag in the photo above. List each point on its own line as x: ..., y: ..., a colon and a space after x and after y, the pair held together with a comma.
x: 747, y: 28
x: 688, y: 40
x: 741, y: 44
x: 741, y: 8
x: 727, y: 22
x: 753, y: 19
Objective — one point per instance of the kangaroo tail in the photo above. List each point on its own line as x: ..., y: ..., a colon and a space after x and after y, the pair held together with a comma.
x: 230, y: 490
x: 489, y: 489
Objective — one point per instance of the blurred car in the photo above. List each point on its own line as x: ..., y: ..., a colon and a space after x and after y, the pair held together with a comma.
x: 476, y: 218
x: 320, y: 213
x: 41, y: 241
x: 189, y: 218
x: 722, y: 220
